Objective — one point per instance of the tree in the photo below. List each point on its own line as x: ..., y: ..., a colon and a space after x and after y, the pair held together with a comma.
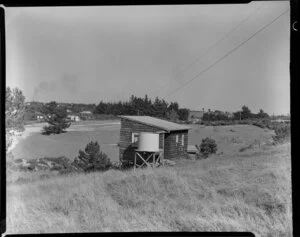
x: 14, y: 114
x: 147, y: 106
x: 92, y: 158
x: 101, y: 108
x: 31, y: 110
x: 173, y: 106
x: 207, y: 117
x: 246, y: 112
x: 172, y: 115
x: 262, y: 114
x: 183, y: 114
x: 160, y: 107
x: 56, y: 117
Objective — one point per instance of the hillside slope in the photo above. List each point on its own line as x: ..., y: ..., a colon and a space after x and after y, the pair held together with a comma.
x: 250, y: 191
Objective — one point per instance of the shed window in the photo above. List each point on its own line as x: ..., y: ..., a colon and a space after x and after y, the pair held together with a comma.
x: 135, y: 139
x: 161, y: 141
x: 182, y: 139
x: 177, y: 139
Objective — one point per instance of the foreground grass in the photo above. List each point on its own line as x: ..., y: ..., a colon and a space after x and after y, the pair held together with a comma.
x: 250, y: 191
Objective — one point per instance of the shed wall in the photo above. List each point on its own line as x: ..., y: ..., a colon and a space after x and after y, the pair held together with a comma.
x: 173, y: 150
x: 127, y: 128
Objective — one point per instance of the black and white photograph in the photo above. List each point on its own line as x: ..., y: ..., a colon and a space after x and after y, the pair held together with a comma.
x: 148, y: 118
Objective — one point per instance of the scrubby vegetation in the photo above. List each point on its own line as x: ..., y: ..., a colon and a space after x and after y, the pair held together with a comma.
x: 282, y: 133
x: 207, y: 147
x: 261, y: 123
x: 249, y: 191
x: 91, y: 159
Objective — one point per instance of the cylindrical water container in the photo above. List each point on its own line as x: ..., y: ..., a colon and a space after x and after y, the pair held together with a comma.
x: 148, y: 142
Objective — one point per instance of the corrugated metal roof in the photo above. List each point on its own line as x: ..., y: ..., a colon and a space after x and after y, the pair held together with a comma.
x: 155, y: 122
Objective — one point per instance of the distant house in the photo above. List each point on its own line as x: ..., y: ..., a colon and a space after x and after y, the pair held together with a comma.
x: 86, y: 114
x: 195, y: 115
x: 69, y: 111
x: 39, y: 116
x: 73, y: 117
x: 173, y: 137
x: 229, y: 114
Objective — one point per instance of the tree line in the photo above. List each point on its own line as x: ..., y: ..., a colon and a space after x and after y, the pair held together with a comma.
x: 243, y: 114
x: 134, y: 106
x: 144, y: 106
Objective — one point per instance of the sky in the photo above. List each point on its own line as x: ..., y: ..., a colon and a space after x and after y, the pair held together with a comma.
x: 89, y: 54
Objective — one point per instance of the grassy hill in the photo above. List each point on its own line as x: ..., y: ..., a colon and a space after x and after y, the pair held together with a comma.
x: 245, y: 191
x: 35, y: 145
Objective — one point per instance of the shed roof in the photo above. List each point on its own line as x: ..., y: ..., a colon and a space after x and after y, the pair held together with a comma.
x: 159, y: 123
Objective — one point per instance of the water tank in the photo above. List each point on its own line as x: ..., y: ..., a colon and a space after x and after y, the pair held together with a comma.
x: 148, y: 141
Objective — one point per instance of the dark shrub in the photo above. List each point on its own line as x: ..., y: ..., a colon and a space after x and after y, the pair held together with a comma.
x: 207, y: 147
x: 282, y: 132
x: 262, y: 123
x: 259, y: 124
x: 47, y: 130
x: 92, y: 158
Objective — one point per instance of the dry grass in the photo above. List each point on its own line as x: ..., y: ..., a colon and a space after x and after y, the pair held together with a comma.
x: 249, y: 191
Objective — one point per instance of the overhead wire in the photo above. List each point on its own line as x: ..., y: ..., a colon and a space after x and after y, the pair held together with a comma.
x: 217, y: 43
x: 226, y: 55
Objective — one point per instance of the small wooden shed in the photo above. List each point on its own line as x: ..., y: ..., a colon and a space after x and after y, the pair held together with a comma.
x: 173, y: 137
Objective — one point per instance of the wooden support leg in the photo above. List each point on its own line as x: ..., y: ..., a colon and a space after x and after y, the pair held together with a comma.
x: 153, y: 163
x: 134, y: 161
x: 159, y: 159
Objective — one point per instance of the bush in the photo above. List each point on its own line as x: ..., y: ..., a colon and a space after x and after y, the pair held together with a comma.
x: 92, y: 159
x: 259, y: 124
x: 47, y: 130
x: 282, y: 132
x: 207, y: 147
x: 262, y: 123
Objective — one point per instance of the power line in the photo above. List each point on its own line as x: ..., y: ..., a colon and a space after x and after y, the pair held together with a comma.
x: 218, y: 42
x: 227, y: 54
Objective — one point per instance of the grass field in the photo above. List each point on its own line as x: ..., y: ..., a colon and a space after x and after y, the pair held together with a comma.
x: 241, y: 191
x: 35, y: 145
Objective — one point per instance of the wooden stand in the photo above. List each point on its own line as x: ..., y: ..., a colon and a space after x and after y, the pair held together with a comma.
x: 149, y: 159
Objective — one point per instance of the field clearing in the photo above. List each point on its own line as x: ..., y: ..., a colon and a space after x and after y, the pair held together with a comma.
x: 34, y: 145
x: 244, y: 191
